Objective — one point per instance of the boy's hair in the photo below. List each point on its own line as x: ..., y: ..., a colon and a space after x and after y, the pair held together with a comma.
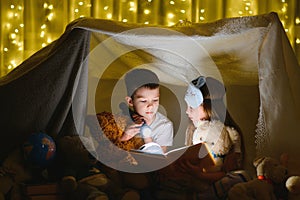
x: 139, y: 78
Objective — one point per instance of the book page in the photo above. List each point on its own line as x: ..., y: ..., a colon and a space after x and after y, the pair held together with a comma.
x: 155, y: 161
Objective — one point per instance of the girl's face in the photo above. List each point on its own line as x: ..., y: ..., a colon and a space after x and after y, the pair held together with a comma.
x: 196, y: 114
x: 145, y: 103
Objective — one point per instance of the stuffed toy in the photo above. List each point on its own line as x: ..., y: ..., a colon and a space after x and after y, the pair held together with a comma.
x: 113, y: 127
x: 18, y: 168
x: 293, y: 186
x: 271, y: 176
x: 79, y: 166
x: 82, y: 176
x: 14, y: 170
x: 107, y: 131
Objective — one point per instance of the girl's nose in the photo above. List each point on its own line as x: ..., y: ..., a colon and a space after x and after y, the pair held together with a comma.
x: 187, y: 111
x: 150, y: 104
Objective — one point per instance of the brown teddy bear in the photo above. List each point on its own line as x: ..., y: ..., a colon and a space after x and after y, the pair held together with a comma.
x: 107, y: 129
x: 13, y: 171
x: 271, y: 176
x: 79, y: 168
x: 82, y: 176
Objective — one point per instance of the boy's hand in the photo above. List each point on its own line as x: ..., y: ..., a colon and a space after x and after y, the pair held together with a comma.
x: 131, y: 131
x: 138, y: 119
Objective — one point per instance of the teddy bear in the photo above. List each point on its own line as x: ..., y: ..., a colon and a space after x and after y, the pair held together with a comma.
x: 106, y: 129
x: 293, y: 186
x: 13, y: 171
x: 82, y: 176
x: 269, y: 183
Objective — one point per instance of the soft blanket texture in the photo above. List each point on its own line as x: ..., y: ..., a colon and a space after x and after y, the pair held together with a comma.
x: 81, y: 73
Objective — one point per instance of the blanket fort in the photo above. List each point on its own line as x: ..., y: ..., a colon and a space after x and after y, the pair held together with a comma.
x: 81, y: 73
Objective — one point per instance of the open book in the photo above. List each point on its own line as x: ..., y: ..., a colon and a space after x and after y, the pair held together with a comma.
x: 150, y: 156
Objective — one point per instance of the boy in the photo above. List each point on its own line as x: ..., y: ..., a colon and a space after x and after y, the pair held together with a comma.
x: 143, y: 100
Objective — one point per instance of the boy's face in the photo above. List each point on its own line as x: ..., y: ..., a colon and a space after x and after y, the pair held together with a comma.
x: 145, y: 102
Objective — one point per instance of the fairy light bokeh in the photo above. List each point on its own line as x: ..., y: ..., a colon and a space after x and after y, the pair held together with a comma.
x: 28, y: 26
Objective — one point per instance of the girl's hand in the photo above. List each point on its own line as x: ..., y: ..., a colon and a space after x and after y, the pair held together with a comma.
x: 187, y: 167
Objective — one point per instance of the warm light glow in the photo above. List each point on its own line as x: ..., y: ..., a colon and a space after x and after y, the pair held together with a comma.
x: 8, y: 25
x: 53, y: 15
x: 132, y: 4
x: 13, y: 36
x: 50, y: 16
x: 42, y: 34
x: 10, y: 14
x: 170, y: 15
x: 109, y: 16
x: 146, y: 11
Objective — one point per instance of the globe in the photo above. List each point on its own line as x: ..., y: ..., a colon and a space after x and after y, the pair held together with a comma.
x: 39, y: 149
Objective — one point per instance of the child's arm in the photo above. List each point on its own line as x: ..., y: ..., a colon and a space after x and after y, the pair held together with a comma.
x: 130, y: 132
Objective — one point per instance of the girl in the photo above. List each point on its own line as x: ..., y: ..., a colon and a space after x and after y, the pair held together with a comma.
x: 206, y: 110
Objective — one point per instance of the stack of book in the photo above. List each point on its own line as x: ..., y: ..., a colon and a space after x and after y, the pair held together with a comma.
x: 47, y: 191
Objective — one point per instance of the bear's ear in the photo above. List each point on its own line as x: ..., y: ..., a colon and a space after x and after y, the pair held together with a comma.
x: 258, y: 160
x: 284, y: 159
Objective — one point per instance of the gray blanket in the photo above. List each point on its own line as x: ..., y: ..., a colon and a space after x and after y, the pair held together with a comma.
x: 81, y: 73
x: 37, y: 95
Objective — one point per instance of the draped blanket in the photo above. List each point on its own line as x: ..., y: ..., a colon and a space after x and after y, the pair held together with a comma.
x: 81, y: 73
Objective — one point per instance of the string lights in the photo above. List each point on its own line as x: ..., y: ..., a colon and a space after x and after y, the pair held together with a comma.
x: 12, y: 44
x: 176, y: 10
x: 80, y: 8
x: 47, y: 18
x: 241, y: 8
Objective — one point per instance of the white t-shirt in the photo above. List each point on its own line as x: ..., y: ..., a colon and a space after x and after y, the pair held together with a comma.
x: 162, y: 130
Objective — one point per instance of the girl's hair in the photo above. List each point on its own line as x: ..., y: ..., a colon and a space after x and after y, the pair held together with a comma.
x: 216, y: 110
x: 214, y: 106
